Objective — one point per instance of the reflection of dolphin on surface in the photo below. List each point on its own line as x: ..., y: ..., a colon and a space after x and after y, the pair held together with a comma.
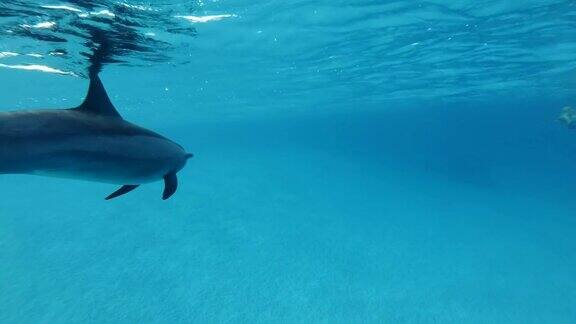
x: 90, y: 142
x: 568, y: 117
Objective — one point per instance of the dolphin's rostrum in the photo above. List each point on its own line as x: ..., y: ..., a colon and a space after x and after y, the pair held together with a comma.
x: 90, y: 142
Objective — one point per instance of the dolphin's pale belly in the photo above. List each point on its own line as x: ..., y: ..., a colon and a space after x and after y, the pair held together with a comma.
x: 112, y: 159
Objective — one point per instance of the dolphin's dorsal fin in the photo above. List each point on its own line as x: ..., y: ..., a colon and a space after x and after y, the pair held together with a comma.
x: 97, y: 101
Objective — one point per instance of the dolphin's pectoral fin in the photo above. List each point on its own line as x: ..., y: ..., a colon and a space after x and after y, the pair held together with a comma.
x: 170, y: 185
x: 123, y: 190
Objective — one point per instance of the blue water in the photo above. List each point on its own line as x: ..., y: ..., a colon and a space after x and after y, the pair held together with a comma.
x: 365, y: 162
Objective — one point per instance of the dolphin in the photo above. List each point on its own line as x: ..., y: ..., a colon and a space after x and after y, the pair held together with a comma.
x: 91, y: 142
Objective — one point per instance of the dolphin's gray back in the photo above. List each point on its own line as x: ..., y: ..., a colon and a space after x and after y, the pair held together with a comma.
x: 64, y: 122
